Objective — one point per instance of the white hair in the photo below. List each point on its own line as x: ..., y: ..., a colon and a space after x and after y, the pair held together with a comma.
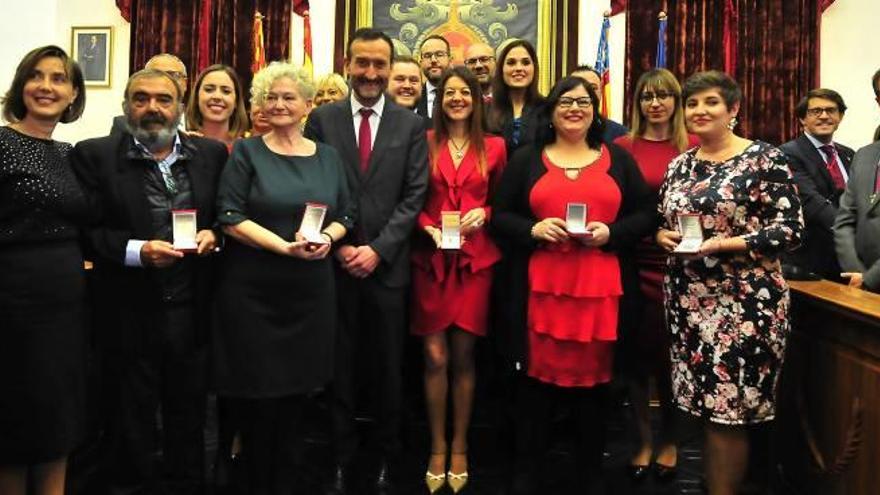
x: 266, y: 77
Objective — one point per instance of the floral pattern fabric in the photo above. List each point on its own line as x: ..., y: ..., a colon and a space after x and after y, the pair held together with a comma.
x: 728, y: 313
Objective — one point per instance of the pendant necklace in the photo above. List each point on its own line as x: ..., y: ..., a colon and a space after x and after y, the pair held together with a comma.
x: 459, y: 150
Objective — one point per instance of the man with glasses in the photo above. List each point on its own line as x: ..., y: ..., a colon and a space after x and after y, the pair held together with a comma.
x: 613, y: 130
x: 480, y: 59
x: 821, y: 169
x: 171, y: 65
x: 155, y: 295
x: 434, y: 59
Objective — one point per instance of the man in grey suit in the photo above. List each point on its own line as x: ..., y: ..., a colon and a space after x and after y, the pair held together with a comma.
x: 820, y: 167
x: 385, y: 151
x: 857, y: 227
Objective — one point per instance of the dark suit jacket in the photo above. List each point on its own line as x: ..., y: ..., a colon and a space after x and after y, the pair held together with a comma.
x: 819, y: 200
x: 857, y: 227
x: 111, y: 171
x: 422, y: 107
x: 392, y: 192
x: 512, y: 222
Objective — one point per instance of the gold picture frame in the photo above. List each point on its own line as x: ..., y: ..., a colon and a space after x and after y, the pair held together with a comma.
x: 92, y: 48
x: 556, y: 24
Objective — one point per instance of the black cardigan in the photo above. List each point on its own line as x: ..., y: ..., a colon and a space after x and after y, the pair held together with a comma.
x: 512, y: 222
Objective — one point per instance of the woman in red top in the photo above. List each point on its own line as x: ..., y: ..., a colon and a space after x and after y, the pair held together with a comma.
x: 658, y: 135
x: 451, y: 287
x: 574, y: 286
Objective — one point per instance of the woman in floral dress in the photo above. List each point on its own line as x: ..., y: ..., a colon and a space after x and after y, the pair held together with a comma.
x: 727, y: 304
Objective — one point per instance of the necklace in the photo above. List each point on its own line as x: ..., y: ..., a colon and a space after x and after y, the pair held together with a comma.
x: 459, y: 150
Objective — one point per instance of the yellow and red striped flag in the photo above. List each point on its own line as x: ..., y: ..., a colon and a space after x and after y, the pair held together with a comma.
x: 301, y: 8
x: 259, y: 50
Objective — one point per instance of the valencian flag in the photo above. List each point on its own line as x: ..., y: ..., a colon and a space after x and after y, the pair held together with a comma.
x: 660, y: 57
x: 259, y: 50
x: 603, y: 66
x: 301, y: 8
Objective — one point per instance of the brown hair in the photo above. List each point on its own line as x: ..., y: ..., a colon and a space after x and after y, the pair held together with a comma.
x: 826, y: 94
x: 660, y: 79
x: 475, y: 124
x: 14, y: 108
x: 502, y: 108
x: 238, y: 121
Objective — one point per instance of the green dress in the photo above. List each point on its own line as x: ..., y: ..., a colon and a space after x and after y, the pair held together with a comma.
x: 276, y: 314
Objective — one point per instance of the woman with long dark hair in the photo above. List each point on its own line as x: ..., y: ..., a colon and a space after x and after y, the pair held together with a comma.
x: 451, y: 287
x: 515, y: 95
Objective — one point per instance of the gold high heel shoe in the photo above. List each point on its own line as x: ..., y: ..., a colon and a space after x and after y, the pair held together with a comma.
x: 457, y: 481
x: 433, y: 481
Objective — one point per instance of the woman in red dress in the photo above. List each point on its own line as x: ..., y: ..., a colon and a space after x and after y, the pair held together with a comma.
x: 451, y: 287
x: 658, y: 136
x: 575, y: 285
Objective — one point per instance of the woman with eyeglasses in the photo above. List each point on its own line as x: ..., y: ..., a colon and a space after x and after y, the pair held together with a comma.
x: 572, y: 209
x: 658, y: 136
x: 729, y: 210
x: 515, y: 96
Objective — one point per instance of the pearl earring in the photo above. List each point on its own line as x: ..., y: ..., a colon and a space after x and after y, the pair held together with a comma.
x: 732, y: 123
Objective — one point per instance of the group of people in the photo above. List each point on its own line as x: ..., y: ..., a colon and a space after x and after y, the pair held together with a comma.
x: 262, y: 258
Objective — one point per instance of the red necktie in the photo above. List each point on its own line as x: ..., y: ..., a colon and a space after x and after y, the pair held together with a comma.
x: 365, y: 138
x: 833, y: 167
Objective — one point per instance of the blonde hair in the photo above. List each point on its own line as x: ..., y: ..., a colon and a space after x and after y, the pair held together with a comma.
x: 267, y: 76
x: 660, y: 79
x: 334, y: 80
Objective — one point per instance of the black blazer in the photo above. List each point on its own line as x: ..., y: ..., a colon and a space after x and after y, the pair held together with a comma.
x: 820, y: 201
x: 512, y: 222
x: 392, y: 192
x: 110, y: 170
x: 422, y: 108
x: 504, y: 126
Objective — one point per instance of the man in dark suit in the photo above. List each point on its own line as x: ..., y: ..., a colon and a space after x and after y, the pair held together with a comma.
x: 613, y: 129
x: 434, y: 57
x: 152, y: 300
x: 857, y: 226
x: 385, y: 151
x: 169, y: 64
x: 820, y: 167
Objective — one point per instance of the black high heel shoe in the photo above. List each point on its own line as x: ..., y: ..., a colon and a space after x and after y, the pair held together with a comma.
x: 638, y: 472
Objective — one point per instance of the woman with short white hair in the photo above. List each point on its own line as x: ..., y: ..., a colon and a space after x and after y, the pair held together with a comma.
x: 276, y: 296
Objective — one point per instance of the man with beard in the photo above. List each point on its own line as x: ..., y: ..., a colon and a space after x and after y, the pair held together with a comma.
x: 153, y: 299
x: 434, y: 57
x: 385, y: 152
x: 821, y: 168
x: 171, y: 65
x: 480, y: 59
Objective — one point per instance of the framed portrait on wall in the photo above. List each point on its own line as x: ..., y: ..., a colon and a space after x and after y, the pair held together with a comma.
x: 92, y: 48
x: 550, y: 25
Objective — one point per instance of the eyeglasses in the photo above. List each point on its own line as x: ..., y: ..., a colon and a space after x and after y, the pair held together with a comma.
x: 566, y: 102
x: 483, y: 60
x: 817, y: 112
x: 439, y: 55
x: 661, y: 96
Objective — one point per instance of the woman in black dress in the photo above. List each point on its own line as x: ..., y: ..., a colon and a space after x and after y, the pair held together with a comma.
x: 42, y: 285
x: 277, y: 307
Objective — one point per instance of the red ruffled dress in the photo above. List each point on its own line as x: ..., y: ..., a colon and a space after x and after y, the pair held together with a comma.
x: 574, y: 290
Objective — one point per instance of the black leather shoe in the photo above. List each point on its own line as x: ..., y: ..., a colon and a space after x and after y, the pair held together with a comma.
x: 338, y: 485
x: 383, y: 479
x: 665, y: 473
x: 638, y: 472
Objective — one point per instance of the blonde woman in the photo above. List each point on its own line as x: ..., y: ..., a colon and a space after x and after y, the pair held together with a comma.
x: 658, y: 136
x: 277, y: 298
x: 330, y: 88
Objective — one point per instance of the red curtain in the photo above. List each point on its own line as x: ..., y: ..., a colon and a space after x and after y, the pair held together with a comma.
x: 777, y: 54
x: 172, y: 26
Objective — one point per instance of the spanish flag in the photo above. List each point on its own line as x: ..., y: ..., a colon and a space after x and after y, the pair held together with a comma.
x: 301, y: 8
x: 259, y: 50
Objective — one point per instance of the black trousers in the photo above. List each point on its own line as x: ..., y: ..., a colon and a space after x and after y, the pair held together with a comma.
x: 160, y: 364
x: 372, y: 326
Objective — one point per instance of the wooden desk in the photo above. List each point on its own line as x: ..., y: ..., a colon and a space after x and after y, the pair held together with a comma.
x: 828, y: 436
